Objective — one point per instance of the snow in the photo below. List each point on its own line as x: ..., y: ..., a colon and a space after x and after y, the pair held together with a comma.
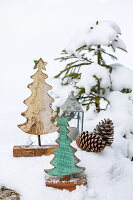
x: 121, y: 113
x: 113, y: 25
x: 109, y: 173
x: 30, y: 30
x: 118, y: 43
x: 104, y: 33
x: 109, y: 176
x: 88, y: 81
x: 122, y: 77
x: 59, y: 93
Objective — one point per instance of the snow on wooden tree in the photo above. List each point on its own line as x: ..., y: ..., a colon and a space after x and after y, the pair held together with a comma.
x: 39, y: 112
x: 64, y: 161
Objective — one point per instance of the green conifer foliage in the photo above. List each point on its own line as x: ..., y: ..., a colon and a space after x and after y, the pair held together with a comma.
x: 64, y: 161
x: 84, y: 56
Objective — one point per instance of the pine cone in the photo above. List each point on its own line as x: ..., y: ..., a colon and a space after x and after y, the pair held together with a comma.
x: 105, y: 129
x: 90, y: 142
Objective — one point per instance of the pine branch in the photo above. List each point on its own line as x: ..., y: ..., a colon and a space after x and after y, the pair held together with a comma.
x: 85, y: 47
x: 72, y: 72
x: 68, y: 68
x: 108, y: 67
x: 122, y: 49
x: 111, y: 55
x: 81, y: 48
x: 126, y: 90
x: 66, y: 57
x: 73, y: 76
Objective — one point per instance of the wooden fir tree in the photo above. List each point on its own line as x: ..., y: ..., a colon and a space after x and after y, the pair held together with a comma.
x: 39, y: 113
x: 64, y: 161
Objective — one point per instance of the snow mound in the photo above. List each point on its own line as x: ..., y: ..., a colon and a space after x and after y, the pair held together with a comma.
x: 97, y: 33
x: 59, y: 92
x: 109, y: 174
x: 87, y: 80
x: 122, y: 77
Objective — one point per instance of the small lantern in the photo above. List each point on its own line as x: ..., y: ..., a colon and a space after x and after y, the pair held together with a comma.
x: 75, y: 114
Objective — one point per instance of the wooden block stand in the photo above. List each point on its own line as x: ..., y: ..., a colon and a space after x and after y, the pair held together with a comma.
x: 31, y: 151
x: 68, y: 184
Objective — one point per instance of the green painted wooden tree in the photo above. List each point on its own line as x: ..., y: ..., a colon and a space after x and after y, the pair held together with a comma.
x: 64, y: 161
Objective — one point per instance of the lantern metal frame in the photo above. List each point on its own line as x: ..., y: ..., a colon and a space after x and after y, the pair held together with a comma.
x: 72, y: 106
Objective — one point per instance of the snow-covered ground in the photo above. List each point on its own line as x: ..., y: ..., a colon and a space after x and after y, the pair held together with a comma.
x: 34, y: 29
x: 109, y: 176
x: 109, y: 173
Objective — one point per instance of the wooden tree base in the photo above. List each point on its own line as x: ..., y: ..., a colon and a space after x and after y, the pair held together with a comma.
x: 67, y: 185
x: 31, y: 151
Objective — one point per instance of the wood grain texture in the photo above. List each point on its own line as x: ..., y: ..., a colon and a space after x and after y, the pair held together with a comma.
x: 8, y: 194
x: 68, y: 185
x: 39, y: 112
x: 32, y: 151
x: 65, y: 161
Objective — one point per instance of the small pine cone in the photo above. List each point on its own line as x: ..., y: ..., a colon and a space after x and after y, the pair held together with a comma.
x: 105, y: 129
x: 90, y: 142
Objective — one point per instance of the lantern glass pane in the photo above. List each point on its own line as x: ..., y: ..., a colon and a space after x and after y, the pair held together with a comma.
x: 72, y: 117
x: 75, y: 119
x: 80, y: 122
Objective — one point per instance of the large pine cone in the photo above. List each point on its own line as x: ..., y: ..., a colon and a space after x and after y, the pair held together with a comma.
x: 90, y: 142
x: 105, y: 129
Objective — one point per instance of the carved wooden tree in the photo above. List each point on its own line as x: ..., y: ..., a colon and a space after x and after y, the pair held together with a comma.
x: 39, y: 112
x: 64, y: 162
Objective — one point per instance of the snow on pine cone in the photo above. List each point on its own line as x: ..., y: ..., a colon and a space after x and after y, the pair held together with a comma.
x: 90, y: 142
x: 105, y: 129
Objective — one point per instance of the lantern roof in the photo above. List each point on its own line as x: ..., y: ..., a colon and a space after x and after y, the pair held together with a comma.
x: 71, y: 104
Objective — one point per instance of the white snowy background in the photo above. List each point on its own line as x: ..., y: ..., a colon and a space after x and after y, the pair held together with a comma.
x: 33, y: 29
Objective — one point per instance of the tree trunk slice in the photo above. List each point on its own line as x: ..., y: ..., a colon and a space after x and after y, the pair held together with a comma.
x: 8, y: 194
x: 32, y: 151
x: 70, y: 185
